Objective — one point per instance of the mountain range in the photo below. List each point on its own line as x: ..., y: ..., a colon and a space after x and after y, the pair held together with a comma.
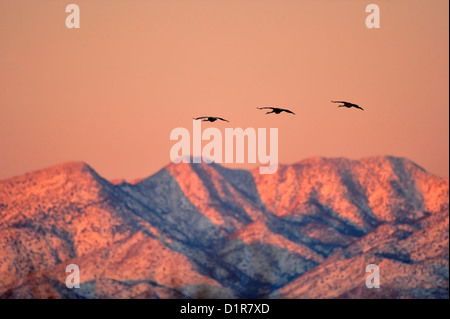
x: 205, y: 231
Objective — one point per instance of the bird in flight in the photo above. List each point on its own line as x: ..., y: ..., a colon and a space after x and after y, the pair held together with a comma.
x: 210, y: 119
x: 348, y: 105
x: 275, y: 110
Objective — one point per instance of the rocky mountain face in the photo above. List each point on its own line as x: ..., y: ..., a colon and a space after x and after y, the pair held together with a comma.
x: 204, y: 231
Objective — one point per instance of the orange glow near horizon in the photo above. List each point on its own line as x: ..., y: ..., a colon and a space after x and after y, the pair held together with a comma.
x: 110, y: 93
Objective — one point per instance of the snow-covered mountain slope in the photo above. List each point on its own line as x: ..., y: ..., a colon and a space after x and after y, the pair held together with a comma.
x: 204, y: 231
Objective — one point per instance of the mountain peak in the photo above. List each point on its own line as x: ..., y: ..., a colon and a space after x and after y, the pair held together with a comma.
x: 70, y: 170
x: 60, y: 180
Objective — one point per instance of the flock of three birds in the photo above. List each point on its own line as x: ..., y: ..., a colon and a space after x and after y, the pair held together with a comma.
x: 275, y: 110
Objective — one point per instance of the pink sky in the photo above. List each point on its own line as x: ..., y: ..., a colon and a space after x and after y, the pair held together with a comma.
x: 110, y: 93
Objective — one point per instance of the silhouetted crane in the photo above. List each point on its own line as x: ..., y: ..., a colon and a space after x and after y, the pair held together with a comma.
x: 275, y: 110
x: 348, y: 105
x: 210, y: 119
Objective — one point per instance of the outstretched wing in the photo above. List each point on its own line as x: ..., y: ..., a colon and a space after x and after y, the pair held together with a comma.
x: 357, y: 106
x: 201, y: 117
x: 265, y: 108
x: 223, y: 119
x: 288, y: 111
x: 341, y: 102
